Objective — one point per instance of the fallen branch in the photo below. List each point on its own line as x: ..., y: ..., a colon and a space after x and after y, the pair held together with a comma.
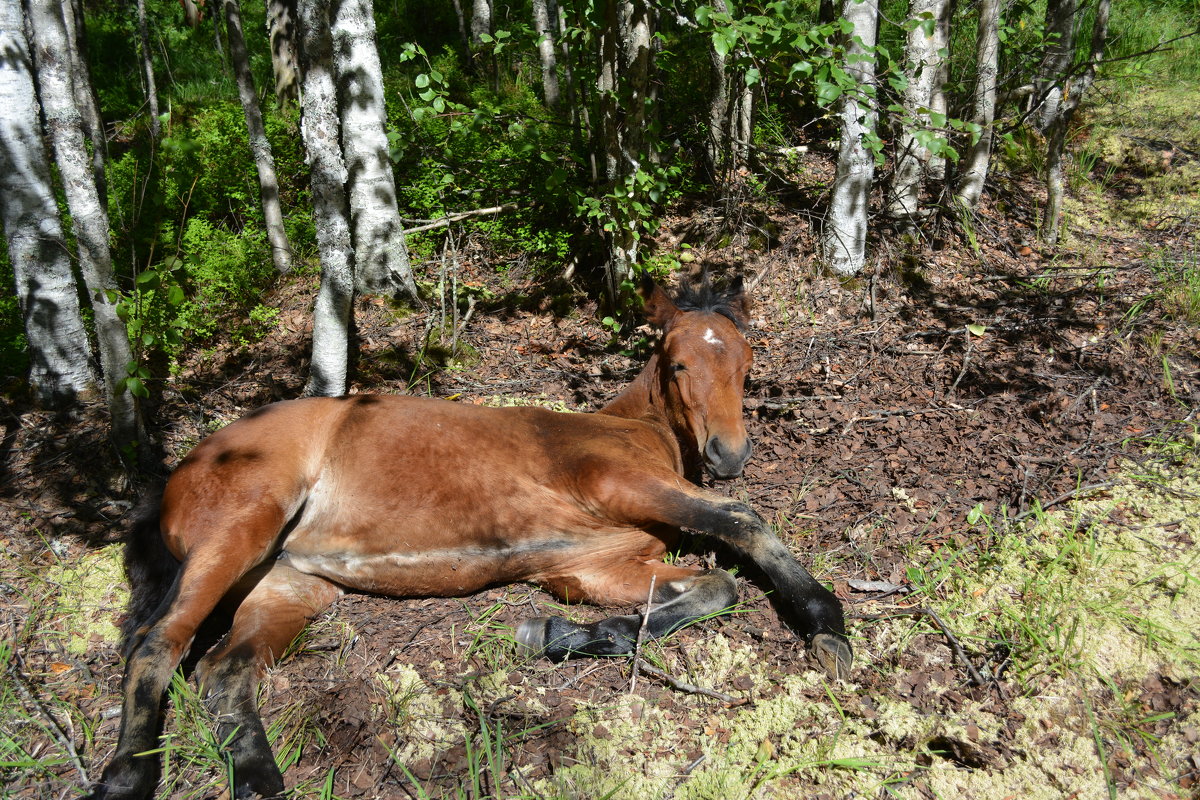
x: 637, y: 648
x: 51, y: 726
x: 728, y: 699
x: 975, y: 678
x: 458, y: 216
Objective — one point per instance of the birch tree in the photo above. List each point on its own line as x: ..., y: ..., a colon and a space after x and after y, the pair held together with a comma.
x: 979, y: 152
x: 281, y: 34
x: 626, y: 60
x: 320, y: 128
x: 545, y: 24
x: 1060, y: 54
x: 151, y: 86
x: 923, y: 66
x: 260, y: 147
x: 85, y: 93
x: 1061, y: 122
x: 60, y: 368
x: 730, y: 109
x: 88, y: 216
x: 844, y: 240
x: 381, y: 258
x: 481, y: 21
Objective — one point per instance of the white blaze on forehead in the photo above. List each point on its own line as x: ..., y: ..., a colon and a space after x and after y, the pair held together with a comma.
x: 711, y: 337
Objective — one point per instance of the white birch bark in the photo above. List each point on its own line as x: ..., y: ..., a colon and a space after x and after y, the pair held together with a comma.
x: 381, y: 258
x: 481, y: 20
x: 60, y: 368
x: 937, y: 100
x: 987, y: 60
x: 281, y: 33
x: 320, y: 128
x: 921, y: 70
x: 148, y: 71
x: 1057, y: 134
x: 543, y: 25
x: 89, y: 217
x: 85, y: 94
x: 844, y: 240
x: 264, y: 161
x: 1048, y: 89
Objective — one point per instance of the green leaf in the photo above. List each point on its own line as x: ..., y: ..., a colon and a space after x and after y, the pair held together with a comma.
x: 136, y: 387
x: 422, y: 81
x: 976, y: 329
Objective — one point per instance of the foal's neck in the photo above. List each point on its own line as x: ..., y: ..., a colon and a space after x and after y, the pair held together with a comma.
x: 641, y: 399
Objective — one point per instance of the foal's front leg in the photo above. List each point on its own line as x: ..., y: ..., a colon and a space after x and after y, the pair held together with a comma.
x: 680, y: 597
x: 813, y: 610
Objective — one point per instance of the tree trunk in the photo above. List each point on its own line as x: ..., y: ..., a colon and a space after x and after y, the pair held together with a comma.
x: 85, y: 94
x: 320, y: 128
x: 481, y: 21
x: 923, y: 66
x: 845, y: 237
x: 987, y: 60
x: 1057, y: 134
x: 626, y: 60
x: 148, y: 71
x: 1048, y: 89
x: 89, y: 218
x: 937, y: 100
x: 60, y: 368
x: 381, y: 258
x: 281, y: 32
x: 264, y: 161
x: 544, y: 24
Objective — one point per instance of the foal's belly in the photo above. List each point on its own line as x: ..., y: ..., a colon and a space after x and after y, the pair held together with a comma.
x: 432, y: 572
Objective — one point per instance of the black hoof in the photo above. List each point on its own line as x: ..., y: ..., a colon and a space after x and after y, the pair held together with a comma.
x: 833, y: 653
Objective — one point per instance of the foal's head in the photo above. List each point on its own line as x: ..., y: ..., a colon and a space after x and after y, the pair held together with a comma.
x: 702, y: 361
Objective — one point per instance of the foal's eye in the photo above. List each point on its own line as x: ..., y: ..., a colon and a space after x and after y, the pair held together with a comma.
x: 677, y: 368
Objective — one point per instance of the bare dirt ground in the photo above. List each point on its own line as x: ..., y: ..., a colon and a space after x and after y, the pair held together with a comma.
x: 880, y: 422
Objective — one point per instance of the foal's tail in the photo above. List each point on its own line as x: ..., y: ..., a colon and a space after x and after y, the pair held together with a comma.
x: 150, y: 570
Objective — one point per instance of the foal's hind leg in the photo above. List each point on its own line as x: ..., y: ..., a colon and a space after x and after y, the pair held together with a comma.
x: 680, y: 596
x: 207, y: 574
x: 267, y: 620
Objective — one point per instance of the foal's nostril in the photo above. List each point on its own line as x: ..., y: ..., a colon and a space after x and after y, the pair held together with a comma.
x: 723, y: 462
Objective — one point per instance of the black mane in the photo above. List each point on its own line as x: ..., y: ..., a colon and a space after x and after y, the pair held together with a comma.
x: 728, y: 300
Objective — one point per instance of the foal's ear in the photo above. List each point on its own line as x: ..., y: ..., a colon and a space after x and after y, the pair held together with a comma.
x: 739, y: 302
x: 660, y: 310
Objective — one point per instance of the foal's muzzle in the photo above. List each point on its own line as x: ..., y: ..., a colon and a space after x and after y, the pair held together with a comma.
x: 724, y: 461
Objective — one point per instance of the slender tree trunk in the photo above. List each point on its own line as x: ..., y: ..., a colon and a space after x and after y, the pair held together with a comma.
x: 90, y: 219
x: 60, y: 368
x: 1057, y: 133
x: 987, y: 60
x: 481, y: 21
x: 462, y: 26
x: 320, y: 128
x: 626, y: 64
x: 381, y: 258
x: 281, y: 32
x: 543, y: 25
x: 922, y: 69
x: 937, y: 100
x: 1048, y: 88
x: 264, y: 161
x: 148, y: 71
x: 845, y: 238
x: 85, y: 94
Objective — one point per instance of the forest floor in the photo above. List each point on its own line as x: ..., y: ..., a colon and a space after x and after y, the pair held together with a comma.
x: 985, y: 446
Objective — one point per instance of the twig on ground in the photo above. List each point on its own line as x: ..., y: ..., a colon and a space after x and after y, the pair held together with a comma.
x: 682, y: 686
x: 976, y: 679
x: 966, y: 360
x: 1071, y: 495
x: 52, y: 726
x: 637, y: 648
